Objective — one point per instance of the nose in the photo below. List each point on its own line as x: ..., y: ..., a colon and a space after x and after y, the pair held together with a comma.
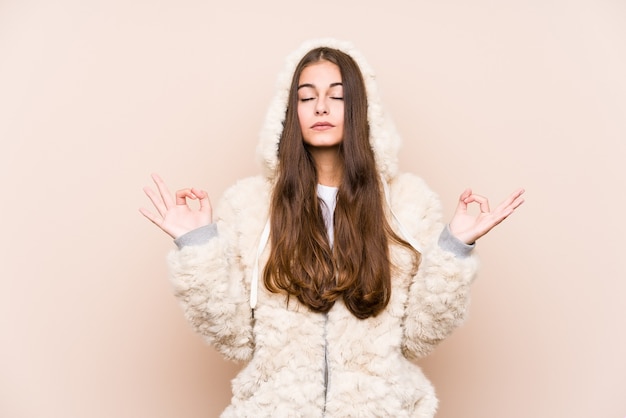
x: 321, y: 108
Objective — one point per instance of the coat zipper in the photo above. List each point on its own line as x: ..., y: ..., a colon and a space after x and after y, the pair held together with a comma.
x: 326, y: 367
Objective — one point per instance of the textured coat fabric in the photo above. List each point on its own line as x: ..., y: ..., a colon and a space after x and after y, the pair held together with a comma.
x: 304, y: 364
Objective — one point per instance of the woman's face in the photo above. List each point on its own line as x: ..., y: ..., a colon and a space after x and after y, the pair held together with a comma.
x: 320, y: 105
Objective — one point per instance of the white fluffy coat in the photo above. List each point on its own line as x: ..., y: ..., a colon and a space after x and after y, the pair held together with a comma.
x: 369, y: 362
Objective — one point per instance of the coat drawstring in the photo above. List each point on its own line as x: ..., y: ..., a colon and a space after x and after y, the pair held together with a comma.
x: 254, y: 285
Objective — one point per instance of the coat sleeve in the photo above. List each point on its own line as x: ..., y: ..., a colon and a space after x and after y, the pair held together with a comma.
x: 439, y: 293
x: 210, y: 280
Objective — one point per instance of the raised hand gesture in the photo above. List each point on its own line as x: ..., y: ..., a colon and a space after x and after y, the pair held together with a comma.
x: 468, y: 228
x: 176, y: 217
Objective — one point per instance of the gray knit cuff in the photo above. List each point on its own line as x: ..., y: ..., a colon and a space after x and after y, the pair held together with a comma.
x: 197, y: 236
x: 450, y: 243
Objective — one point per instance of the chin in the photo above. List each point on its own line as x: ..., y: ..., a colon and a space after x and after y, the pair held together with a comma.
x: 322, y: 145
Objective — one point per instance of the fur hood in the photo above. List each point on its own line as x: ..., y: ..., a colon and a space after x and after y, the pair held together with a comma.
x: 383, y: 137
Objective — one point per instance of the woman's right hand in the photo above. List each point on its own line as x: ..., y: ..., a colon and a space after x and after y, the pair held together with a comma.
x: 176, y: 218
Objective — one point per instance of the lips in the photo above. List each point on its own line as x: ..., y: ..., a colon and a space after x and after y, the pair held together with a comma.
x: 320, y: 126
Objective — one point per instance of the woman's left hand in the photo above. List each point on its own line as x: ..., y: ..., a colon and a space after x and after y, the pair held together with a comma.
x: 468, y: 228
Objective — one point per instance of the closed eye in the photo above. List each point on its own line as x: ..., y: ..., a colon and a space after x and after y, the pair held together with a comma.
x: 306, y: 99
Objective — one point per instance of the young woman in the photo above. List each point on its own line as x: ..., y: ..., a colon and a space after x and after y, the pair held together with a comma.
x: 331, y: 273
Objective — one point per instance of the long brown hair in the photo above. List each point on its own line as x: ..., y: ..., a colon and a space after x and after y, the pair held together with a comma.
x: 302, y: 263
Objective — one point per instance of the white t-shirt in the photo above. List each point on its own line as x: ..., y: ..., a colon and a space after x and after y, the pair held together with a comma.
x: 328, y: 195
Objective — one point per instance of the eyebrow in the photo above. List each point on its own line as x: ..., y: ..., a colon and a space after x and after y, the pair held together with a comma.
x: 313, y: 86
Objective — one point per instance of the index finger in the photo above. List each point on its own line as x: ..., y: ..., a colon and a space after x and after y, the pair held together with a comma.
x: 482, y: 201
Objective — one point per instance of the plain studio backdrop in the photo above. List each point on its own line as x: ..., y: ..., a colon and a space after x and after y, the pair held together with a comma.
x: 96, y: 95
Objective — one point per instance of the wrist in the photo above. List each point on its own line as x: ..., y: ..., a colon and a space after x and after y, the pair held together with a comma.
x: 454, y: 244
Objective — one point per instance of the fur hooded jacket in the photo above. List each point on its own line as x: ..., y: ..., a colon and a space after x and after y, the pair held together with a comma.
x: 298, y: 363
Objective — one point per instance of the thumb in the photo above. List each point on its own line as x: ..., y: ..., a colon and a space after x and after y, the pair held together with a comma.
x: 461, y: 206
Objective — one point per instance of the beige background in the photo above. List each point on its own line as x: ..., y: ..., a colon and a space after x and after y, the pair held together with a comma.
x: 95, y: 95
